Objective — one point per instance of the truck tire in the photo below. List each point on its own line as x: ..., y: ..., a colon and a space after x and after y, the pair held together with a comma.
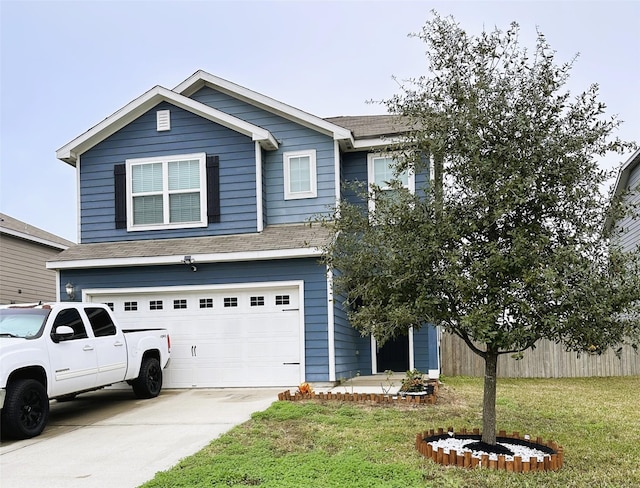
x: 149, y: 382
x: 26, y: 409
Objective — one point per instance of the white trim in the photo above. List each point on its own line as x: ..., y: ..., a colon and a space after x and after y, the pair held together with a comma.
x: 622, y: 180
x: 224, y: 257
x: 336, y: 171
x: 58, y: 289
x: 201, y: 78
x: 374, y: 353
x: 411, y: 178
x: 31, y: 238
x: 165, y: 160
x: 313, y: 175
x: 374, y: 356
x: 377, y: 143
x: 72, y: 150
x: 89, y: 293
x: 331, y: 326
x: 78, y: 203
x: 259, y: 208
x: 412, y: 356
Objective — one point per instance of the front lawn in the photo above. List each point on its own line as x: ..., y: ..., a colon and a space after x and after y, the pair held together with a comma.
x: 333, y: 444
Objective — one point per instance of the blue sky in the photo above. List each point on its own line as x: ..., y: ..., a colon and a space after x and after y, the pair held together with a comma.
x: 65, y: 66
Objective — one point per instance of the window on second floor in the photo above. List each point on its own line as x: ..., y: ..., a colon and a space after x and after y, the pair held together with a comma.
x: 381, y: 172
x: 167, y: 192
x: 300, y: 180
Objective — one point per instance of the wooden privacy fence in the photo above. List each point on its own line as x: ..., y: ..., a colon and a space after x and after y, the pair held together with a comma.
x: 548, y: 360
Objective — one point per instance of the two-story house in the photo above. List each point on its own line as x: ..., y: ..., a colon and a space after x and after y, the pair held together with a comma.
x: 194, y: 207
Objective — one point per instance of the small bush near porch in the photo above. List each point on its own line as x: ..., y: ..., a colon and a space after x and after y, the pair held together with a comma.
x: 332, y: 444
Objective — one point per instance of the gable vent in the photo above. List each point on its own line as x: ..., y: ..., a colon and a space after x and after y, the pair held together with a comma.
x: 163, y: 120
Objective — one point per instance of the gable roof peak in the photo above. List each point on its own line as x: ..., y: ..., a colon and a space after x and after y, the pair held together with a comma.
x: 201, y: 79
x: 127, y: 114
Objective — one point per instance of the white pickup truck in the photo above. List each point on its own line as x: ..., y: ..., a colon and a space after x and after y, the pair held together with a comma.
x: 58, y: 350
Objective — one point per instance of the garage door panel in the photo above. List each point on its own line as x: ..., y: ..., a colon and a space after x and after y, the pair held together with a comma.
x: 255, y: 342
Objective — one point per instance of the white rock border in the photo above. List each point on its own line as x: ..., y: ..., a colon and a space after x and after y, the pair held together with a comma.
x: 552, y: 453
x: 458, y: 445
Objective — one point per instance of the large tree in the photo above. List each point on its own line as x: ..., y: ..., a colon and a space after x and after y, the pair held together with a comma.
x: 506, y: 245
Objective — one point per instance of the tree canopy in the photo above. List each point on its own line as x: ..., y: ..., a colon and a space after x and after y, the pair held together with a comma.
x: 505, y: 246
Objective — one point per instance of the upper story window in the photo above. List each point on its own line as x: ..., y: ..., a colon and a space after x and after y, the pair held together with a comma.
x: 381, y: 172
x: 166, y: 192
x: 300, y: 179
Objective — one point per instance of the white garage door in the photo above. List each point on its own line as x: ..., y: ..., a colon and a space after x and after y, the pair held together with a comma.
x: 221, y: 337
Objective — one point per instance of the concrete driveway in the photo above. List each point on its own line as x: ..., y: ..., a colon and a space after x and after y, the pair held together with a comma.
x: 109, y: 438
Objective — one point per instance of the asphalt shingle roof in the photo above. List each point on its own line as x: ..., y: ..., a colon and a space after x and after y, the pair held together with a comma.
x: 30, y: 232
x: 276, y: 237
x: 369, y: 126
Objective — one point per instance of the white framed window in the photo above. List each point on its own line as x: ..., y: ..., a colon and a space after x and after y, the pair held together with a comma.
x: 300, y: 179
x: 380, y: 171
x: 166, y: 192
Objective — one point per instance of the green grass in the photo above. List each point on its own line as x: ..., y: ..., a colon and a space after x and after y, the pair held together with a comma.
x: 333, y: 444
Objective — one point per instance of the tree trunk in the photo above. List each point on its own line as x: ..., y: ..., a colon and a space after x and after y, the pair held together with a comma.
x: 489, y: 398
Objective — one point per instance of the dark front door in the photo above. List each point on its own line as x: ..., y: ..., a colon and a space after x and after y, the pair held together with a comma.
x: 394, y: 355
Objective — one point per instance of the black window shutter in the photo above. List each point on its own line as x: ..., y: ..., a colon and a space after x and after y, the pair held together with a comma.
x: 213, y: 189
x: 120, y: 187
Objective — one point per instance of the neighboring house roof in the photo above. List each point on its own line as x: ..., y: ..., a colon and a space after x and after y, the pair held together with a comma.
x: 275, y: 242
x: 70, y: 152
x: 623, y: 178
x: 201, y: 79
x: 22, y: 230
x: 625, y: 171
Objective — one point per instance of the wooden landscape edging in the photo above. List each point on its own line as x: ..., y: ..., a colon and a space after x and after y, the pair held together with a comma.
x: 361, y: 397
x: 552, y: 462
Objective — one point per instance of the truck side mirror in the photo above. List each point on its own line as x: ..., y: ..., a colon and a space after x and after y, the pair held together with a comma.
x: 62, y: 333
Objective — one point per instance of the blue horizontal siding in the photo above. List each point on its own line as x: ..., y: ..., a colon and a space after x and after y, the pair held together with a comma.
x: 291, y: 137
x: 309, y: 270
x: 189, y: 134
x: 425, y: 348
x: 352, y: 351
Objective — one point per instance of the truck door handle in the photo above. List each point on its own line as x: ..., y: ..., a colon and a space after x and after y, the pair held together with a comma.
x: 289, y: 364
x: 118, y: 344
x: 87, y: 348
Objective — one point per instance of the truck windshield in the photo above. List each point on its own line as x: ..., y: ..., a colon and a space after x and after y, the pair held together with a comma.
x: 22, y: 322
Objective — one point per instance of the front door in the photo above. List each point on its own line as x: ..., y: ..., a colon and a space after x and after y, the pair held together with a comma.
x: 394, y: 355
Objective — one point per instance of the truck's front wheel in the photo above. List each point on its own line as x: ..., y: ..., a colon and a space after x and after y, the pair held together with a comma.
x: 26, y: 409
x: 149, y: 382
